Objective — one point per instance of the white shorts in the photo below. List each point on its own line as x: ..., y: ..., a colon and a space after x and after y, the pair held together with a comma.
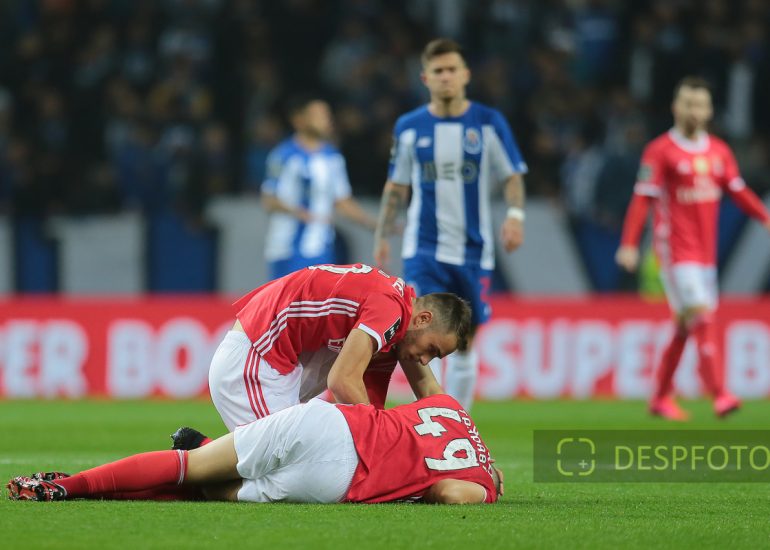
x: 690, y: 285
x: 301, y: 454
x: 244, y: 387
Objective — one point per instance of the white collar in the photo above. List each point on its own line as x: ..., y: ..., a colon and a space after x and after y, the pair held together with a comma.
x: 698, y: 145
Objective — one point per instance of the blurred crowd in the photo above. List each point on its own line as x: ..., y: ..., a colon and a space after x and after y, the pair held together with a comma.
x: 108, y: 105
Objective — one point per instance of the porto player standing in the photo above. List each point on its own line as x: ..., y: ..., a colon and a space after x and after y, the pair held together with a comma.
x: 684, y: 173
x: 452, y: 153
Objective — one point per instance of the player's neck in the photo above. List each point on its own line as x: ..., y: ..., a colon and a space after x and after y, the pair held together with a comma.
x: 690, y: 134
x: 308, y: 142
x: 449, y: 108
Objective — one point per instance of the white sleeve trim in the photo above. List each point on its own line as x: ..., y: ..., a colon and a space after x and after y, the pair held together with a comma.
x: 736, y: 184
x: 647, y: 189
x: 373, y: 333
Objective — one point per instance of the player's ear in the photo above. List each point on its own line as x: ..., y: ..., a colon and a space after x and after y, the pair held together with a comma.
x: 424, y: 77
x: 423, y: 318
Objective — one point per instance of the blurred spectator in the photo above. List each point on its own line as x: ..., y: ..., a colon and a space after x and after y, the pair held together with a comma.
x: 161, y: 105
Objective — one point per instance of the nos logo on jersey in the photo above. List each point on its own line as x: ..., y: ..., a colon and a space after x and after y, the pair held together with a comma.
x: 472, y: 141
x: 391, y: 332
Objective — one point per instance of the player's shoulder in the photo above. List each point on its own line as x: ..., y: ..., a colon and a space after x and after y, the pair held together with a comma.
x: 718, y: 144
x: 284, y: 149
x: 413, y: 118
x: 485, y: 113
x: 659, y: 143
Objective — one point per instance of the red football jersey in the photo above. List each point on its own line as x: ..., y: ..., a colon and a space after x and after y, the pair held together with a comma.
x: 404, y: 450
x: 318, y: 306
x: 688, y: 178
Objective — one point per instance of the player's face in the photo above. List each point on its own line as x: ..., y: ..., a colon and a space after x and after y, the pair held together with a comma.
x: 420, y: 345
x: 315, y: 120
x: 692, y: 109
x: 446, y: 76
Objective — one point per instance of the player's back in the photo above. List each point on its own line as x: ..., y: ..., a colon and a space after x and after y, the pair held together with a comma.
x: 318, y: 306
x: 452, y: 164
x: 404, y: 450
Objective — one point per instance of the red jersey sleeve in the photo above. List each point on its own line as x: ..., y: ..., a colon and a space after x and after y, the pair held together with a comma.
x: 384, y: 317
x: 735, y: 186
x: 651, y: 175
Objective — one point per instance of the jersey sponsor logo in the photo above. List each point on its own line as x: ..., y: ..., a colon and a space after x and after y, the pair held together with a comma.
x: 335, y: 344
x: 701, y: 165
x: 683, y: 167
x: 469, y: 171
x: 391, y: 332
x: 472, y: 141
x: 645, y: 173
x: 424, y: 141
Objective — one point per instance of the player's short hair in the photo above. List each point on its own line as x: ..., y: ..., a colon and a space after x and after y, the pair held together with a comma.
x: 451, y: 313
x: 299, y: 102
x: 440, y: 46
x: 694, y: 82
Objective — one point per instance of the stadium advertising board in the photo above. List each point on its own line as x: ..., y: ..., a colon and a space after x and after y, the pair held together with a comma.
x: 161, y: 346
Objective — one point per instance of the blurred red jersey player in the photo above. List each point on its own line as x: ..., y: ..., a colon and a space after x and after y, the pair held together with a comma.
x: 684, y: 173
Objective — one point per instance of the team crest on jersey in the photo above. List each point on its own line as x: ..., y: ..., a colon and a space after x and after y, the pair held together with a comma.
x: 472, y: 141
x: 335, y: 344
x: 701, y: 165
x: 391, y: 332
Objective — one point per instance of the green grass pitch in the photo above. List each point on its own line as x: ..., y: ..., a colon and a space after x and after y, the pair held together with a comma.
x: 71, y: 436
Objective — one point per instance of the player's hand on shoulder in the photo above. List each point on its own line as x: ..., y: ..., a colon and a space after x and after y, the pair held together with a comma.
x: 627, y: 257
x: 512, y: 234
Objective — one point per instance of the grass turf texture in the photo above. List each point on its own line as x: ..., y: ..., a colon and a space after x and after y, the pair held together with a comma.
x: 71, y: 436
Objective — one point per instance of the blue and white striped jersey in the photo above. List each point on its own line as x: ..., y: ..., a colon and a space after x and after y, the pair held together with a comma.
x: 451, y: 164
x: 314, y: 180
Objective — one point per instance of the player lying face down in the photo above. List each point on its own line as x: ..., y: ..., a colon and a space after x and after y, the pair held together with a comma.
x: 428, y: 451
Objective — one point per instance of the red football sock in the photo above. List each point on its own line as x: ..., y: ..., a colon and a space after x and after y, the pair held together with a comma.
x: 206, y: 441
x: 134, y: 473
x: 669, y: 362
x: 704, y: 330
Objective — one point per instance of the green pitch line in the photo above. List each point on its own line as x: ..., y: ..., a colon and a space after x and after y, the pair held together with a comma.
x: 41, y: 435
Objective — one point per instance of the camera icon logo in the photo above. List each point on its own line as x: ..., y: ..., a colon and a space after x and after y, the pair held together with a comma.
x: 575, y: 455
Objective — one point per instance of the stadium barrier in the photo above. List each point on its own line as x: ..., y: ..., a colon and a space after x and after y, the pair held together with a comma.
x: 546, y: 348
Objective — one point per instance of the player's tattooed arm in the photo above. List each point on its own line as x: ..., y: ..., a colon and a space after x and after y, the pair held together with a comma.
x: 394, y: 197
x: 512, y: 230
x: 515, y: 194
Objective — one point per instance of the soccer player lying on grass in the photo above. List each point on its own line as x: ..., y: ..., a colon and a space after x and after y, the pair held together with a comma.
x: 429, y: 450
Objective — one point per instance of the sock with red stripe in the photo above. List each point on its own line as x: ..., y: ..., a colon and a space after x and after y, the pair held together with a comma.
x: 704, y: 330
x: 669, y: 362
x: 135, y: 473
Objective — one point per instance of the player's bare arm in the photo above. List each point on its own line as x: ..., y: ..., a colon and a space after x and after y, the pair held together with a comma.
x: 394, y: 197
x: 351, y: 209
x: 421, y: 379
x: 454, y: 491
x: 512, y: 231
x: 271, y: 203
x: 345, y: 379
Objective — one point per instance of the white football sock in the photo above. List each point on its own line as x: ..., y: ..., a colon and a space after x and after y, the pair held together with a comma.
x: 461, y: 372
